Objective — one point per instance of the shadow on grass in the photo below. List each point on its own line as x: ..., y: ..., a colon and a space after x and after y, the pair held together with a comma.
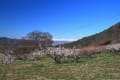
x: 81, y: 60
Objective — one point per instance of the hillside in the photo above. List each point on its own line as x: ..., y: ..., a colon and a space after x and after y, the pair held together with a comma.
x: 105, y: 37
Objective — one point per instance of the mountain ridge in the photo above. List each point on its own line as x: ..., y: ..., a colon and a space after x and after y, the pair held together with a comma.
x: 6, y: 40
x: 108, y: 36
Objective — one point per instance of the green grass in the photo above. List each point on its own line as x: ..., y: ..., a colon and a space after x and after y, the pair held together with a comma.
x: 104, y: 66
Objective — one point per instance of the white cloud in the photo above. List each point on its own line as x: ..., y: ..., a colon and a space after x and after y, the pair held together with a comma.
x: 64, y: 39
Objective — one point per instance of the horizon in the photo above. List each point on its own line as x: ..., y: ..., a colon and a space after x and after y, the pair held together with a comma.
x: 65, y: 19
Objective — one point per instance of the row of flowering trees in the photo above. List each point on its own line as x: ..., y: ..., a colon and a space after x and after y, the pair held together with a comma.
x: 59, y: 54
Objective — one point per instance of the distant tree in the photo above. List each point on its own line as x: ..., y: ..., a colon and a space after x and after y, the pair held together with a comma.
x: 42, y: 39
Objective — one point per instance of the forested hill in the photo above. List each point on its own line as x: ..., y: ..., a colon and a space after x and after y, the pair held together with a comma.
x: 109, y: 36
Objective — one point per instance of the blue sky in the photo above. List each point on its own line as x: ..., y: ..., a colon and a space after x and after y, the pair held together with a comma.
x: 64, y: 19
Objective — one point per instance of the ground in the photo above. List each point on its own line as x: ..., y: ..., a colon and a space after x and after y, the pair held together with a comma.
x: 104, y: 66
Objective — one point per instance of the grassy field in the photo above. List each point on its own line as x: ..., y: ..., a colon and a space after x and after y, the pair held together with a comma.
x: 104, y: 66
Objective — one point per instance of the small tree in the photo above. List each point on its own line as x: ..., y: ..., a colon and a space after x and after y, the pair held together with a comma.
x: 55, y: 53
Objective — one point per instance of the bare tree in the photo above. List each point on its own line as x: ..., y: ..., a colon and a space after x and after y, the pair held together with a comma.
x: 42, y: 39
